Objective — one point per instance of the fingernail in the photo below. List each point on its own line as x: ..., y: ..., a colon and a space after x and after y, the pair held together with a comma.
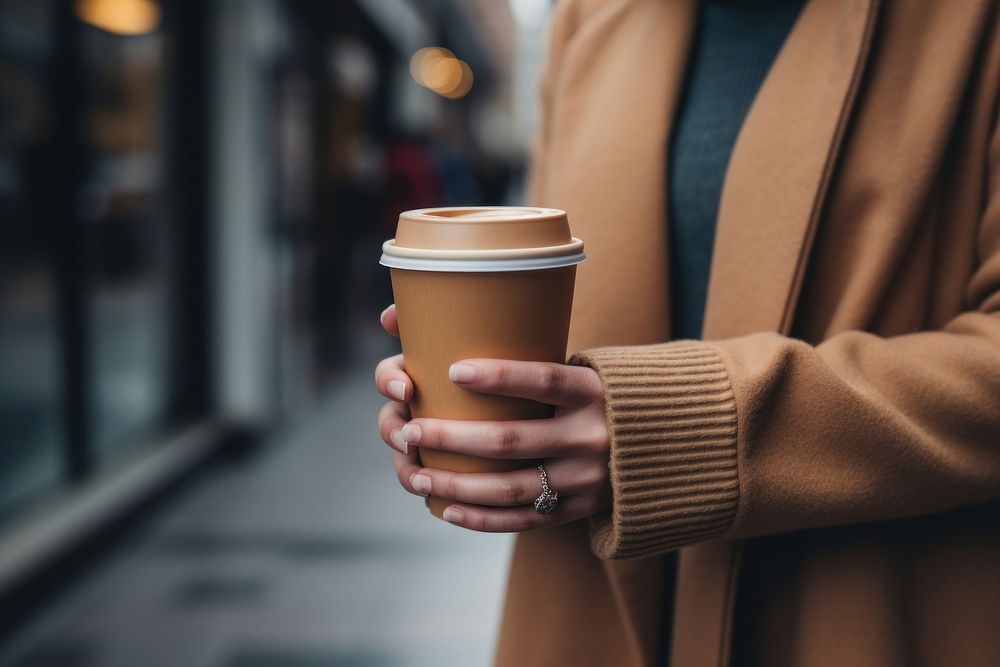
x: 398, y: 441
x: 452, y: 515
x: 462, y: 373
x: 421, y: 483
x: 397, y: 388
x: 381, y: 317
x: 411, y: 433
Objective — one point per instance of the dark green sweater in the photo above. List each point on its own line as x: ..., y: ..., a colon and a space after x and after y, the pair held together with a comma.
x: 734, y: 47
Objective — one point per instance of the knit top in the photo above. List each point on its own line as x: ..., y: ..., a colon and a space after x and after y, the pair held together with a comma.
x: 736, y: 42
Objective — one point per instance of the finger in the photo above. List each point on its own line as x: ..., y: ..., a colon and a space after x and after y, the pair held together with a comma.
x: 517, y: 519
x: 406, y: 465
x: 571, y: 476
x: 391, y: 419
x: 389, y: 321
x: 554, y: 384
x: 392, y: 381
x: 525, y: 439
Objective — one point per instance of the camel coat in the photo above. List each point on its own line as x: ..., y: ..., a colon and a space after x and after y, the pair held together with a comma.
x: 827, y: 460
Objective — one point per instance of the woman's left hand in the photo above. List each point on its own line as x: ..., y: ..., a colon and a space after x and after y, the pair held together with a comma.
x: 573, y: 445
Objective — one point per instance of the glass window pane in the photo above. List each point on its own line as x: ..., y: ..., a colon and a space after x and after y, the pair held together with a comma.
x: 31, y: 424
x: 122, y: 206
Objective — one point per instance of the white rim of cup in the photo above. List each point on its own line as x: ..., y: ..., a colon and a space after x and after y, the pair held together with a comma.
x: 482, y: 261
x: 492, y: 213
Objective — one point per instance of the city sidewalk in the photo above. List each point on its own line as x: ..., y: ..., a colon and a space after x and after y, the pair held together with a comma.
x: 306, y: 555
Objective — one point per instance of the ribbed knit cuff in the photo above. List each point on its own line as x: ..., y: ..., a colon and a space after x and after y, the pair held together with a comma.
x: 672, y: 420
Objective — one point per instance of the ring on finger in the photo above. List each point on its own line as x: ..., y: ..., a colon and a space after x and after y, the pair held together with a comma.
x: 548, y: 500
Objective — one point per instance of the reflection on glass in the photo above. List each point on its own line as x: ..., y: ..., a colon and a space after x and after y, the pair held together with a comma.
x: 121, y: 205
x: 31, y: 426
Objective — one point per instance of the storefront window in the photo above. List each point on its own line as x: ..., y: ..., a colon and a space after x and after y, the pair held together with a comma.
x: 31, y: 416
x: 123, y: 210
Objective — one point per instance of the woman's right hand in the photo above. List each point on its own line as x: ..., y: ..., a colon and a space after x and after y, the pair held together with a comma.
x: 393, y: 382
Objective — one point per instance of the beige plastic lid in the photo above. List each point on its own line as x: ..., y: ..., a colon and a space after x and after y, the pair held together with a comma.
x: 482, y: 239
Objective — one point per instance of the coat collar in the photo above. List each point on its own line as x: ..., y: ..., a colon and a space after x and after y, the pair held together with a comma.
x: 781, y: 166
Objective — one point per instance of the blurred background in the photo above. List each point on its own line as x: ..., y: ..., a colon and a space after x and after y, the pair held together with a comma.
x: 192, y: 198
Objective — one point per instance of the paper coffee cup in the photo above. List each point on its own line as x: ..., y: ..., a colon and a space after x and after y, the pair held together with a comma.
x: 468, y: 282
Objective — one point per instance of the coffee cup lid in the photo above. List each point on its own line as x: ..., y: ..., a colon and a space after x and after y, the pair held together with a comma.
x: 482, y: 239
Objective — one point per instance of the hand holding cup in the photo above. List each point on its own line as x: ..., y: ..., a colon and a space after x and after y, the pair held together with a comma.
x: 573, y: 443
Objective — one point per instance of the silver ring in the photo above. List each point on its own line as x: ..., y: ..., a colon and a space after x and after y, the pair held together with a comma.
x: 548, y: 500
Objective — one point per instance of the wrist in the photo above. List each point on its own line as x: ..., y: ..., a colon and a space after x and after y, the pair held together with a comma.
x: 673, y: 446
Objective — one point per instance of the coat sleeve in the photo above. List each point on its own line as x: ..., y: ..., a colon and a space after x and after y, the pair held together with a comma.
x: 762, y: 433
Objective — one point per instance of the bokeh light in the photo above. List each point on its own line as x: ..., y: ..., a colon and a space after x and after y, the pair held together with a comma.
x: 120, y: 17
x: 439, y: 70
x: 464, y: 84
x: 423, y: 59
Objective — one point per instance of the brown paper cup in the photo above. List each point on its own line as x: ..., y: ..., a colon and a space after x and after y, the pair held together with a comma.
x: 510, y: 313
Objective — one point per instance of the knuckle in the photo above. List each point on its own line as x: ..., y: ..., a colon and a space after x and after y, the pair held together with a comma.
x: 500, y: 375
x: 595, y: 438
x: 448, y: 486
x: 503, y: 439
x: 596, y: 392
x: 386, y: 412
x: 437, y: 435
x: 510, y: 492
x: 478, y: 521
x: 595, y: 474
x: 591, y: 381
x: 550, y: 379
